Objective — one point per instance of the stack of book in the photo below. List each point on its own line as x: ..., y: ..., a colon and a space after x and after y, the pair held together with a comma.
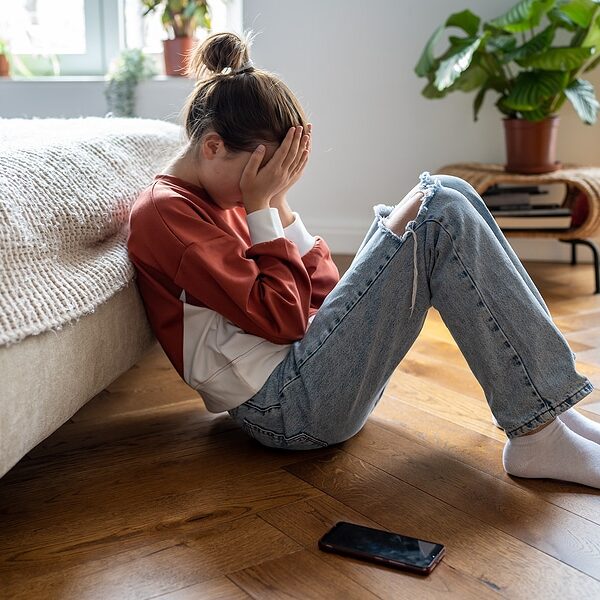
x: 530, y: 206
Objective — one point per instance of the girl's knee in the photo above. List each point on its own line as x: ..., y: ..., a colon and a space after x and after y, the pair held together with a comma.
x: 404, y: 212
x: 456, y: 183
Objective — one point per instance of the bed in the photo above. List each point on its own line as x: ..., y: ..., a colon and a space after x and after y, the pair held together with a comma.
x: 71, y: 317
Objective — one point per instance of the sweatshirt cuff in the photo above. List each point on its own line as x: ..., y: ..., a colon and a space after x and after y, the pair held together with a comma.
x: 264, y: 225
x: 297, y: 233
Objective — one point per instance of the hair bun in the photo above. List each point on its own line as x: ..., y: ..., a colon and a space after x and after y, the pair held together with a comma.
x: 217, y: 52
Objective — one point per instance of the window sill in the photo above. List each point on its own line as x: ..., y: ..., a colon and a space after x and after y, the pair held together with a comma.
x: 87, y: 79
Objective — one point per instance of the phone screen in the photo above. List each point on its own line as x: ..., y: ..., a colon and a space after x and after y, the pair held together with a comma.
x: 394, y: 547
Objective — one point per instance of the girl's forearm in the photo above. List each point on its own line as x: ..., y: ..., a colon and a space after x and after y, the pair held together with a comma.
x: 285, y: 212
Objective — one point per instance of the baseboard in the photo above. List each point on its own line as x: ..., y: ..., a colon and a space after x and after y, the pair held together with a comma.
x: 346, y: 239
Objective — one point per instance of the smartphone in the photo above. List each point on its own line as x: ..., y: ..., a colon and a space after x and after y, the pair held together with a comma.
x: 382, y: 547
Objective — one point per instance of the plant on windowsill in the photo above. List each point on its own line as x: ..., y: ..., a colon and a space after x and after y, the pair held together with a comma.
x: 181, y: 19
x: 126, y: 71
x: 4, y: 59
x: 532, y: 76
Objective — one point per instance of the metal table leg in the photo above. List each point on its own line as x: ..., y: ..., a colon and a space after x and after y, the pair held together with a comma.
x: 595, y: 252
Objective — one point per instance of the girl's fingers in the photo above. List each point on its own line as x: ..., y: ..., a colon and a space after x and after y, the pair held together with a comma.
x: 303, y: 146
x: 251, y: 168
x: 253, y: 164
x: 293, y: 150
x: 301, y: 164
x: 281, y: 152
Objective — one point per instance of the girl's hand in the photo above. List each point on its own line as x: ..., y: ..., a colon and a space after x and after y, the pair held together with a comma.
x: 259, y: 186
x: 280, y: 196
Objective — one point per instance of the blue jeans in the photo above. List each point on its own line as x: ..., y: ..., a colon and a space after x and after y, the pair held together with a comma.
x: 454, y: 257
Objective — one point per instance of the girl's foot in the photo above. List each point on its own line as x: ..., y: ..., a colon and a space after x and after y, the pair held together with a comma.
x: 581, y: 425
x: 554, y: 452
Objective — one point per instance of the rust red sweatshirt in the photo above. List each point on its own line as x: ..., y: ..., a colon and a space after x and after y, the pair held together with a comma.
x: 226, y: 292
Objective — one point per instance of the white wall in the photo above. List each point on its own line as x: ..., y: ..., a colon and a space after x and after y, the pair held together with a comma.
x: 351, y: 64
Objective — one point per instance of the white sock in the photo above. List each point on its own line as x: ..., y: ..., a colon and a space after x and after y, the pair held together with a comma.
x: 576, y: 422
x: 581, y: 425
x: 555, y: 452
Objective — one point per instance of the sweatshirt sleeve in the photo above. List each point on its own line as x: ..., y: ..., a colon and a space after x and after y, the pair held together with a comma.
x: 264, y: 289
x: 316, y: 256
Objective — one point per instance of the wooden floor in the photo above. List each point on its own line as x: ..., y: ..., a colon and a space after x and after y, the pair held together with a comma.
x: 144, y: 494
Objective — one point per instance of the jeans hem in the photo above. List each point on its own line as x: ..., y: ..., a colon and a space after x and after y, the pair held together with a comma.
x: 553, y: 411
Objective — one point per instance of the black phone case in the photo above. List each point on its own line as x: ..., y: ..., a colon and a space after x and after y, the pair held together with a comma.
x: 378, y: 559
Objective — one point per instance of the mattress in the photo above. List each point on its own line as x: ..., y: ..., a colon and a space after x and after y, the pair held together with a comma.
x: 46, y: 378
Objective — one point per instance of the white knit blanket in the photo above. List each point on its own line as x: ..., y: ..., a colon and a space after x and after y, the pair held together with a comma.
x: 66, y: 188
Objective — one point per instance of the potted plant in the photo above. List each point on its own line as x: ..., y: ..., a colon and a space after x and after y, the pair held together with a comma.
x: 180, y: 18
x: 129, y: 68
x: 4, y: 63
x: 515, y: 55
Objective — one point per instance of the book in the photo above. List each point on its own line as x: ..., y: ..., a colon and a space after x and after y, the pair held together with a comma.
x: 524, y: 196
x: 534, y: 218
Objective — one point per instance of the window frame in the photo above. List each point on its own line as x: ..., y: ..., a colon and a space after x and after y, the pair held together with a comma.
x: 105, y: 37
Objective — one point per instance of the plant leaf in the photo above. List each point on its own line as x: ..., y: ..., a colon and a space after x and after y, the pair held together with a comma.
x: 479, y: 100
x: 593, y: 64
x: 470, y: 79
x: 556, y: 17
x: 427, y: 59
x: 579, y: 11
x: 558, y: 59
x: 458, y: 61
x: 581, y: 95
x: 536, y: 45
x: 189, y: 10
x: 430, y: 91
x: 525, y: 15
x: 504, y: 42
x: 592, y: 37
x: 465, y: 20
x: 531, y: 88
x: 537, y: 114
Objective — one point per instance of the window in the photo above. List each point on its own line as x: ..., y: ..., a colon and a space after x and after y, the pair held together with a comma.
x: 82, y: 37
x: 147, y: 32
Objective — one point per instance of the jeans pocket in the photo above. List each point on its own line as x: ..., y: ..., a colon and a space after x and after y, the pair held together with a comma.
x: 273, y: 439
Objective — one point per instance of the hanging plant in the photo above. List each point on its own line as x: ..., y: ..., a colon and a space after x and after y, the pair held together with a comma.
x: 125, y: 72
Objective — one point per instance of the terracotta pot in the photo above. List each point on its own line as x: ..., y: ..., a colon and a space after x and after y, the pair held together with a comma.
x: 531, y: 145
x: 4, y: 66
x: 176, y: 53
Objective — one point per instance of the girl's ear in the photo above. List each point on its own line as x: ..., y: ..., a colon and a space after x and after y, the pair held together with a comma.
x: 212, y: 146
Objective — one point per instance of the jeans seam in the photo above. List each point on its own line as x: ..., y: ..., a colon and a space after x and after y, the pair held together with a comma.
x: 553, y: 409
x: 282, y: 437
x: 361, y: 295
x: 522, y: 363
x: 261, y: 408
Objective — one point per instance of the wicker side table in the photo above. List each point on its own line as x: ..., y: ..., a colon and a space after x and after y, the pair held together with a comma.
x: 587, y: 179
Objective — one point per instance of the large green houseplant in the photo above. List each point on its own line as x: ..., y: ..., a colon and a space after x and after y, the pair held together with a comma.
x: 181, y: 19
x: 516, y: 56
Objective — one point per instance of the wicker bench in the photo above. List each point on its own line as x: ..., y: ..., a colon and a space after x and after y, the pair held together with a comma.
x: 585, y: 178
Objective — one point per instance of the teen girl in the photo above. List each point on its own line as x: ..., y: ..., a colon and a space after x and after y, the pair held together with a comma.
x: 250, y: 309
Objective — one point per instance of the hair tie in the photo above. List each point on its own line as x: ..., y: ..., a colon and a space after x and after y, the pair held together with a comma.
x: 244, y: 67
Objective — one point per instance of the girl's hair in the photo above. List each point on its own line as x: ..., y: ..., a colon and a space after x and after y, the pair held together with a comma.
x: 244, y: 108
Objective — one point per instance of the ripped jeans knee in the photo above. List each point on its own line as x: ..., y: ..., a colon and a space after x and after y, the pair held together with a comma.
x: 428, y: 186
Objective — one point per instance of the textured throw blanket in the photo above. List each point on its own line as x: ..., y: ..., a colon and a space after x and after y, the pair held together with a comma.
x: 66, y: 188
